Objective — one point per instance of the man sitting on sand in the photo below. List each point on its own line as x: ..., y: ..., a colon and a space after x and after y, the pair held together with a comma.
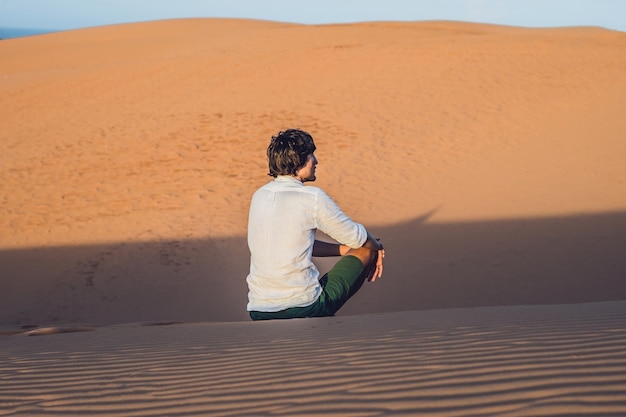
x: 284, y: 215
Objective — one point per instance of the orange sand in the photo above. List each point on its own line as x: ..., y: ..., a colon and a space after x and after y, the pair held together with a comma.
x: 490, y: 160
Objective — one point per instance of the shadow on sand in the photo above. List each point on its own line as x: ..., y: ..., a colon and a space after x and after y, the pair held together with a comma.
x: 555, y: 260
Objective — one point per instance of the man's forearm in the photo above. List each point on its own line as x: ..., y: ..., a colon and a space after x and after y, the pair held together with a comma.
x: 324, y: 249
x: 321, y: 249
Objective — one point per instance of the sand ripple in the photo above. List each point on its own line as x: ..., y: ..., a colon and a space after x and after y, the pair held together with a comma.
x: 507, y: 361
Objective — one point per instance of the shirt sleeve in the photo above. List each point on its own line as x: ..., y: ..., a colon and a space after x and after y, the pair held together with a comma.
x: 336, y: 224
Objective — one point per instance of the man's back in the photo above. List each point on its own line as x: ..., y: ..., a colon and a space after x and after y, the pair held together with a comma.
x: 284, y: 215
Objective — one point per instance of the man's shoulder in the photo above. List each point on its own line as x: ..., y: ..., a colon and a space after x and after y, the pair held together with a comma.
x: 315, y: 190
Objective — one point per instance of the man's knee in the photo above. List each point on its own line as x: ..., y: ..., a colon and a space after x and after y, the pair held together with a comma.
x: 363, y: 254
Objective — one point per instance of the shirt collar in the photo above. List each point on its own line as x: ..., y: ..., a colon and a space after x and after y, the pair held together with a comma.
x: 288, y: 178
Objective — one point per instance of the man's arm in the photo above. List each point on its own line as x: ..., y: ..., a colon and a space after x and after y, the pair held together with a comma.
x: 376, y: 269
x: 323, y: 249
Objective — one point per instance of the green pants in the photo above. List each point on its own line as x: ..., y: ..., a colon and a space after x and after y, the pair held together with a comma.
x: 338, y: 285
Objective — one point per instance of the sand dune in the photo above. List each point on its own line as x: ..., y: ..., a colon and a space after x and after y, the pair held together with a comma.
x: 505, y: 361
x: 480, y: 154
x: 491, y: 161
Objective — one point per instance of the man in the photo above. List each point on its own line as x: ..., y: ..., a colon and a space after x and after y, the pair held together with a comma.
x: 284, y: 214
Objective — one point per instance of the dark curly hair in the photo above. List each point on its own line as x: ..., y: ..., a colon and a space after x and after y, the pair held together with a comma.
x: 288, y: 152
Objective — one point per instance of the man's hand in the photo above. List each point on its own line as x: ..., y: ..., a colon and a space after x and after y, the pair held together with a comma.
x: 376, y: 270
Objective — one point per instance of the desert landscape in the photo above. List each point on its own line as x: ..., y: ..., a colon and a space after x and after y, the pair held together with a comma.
x: 490, y: 160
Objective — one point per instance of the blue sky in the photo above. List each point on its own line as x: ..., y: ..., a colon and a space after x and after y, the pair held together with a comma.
x: 71, y: 14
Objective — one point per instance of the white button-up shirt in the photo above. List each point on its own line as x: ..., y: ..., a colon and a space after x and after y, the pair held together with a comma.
x: 284, y: 215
